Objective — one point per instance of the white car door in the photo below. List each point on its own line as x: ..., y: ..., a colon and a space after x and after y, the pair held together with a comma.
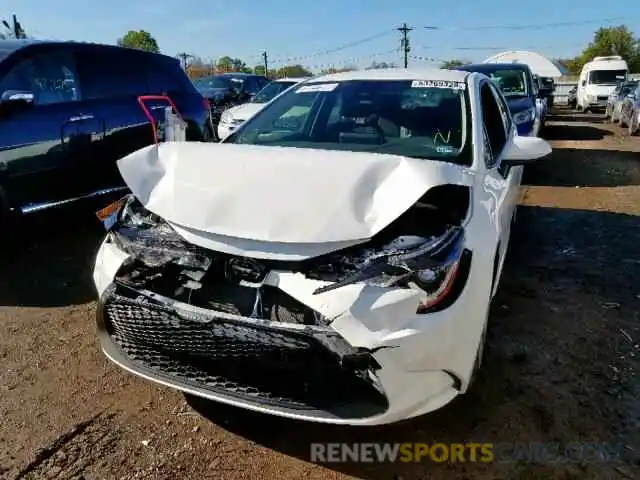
x: 500, y: 181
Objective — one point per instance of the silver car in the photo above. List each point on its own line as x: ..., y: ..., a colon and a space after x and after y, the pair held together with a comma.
x: 630, y: 111
x: 616, y: 99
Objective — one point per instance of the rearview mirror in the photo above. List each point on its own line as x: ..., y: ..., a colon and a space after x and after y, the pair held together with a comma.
x: 10, y: 96
x: 526, y: 150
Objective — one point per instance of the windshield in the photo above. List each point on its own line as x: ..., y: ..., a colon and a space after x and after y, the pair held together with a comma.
x: 207, y: 83
x: 271, y: 91
x: 626, y: 89
x: 511, y: 82
x: 605, y: 77
x: 420, y: 119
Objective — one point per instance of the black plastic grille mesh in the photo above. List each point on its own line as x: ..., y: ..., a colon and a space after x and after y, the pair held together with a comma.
x: 289, y: 369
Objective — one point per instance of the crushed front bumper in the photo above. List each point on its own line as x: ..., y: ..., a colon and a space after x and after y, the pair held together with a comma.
x: 351, y: 369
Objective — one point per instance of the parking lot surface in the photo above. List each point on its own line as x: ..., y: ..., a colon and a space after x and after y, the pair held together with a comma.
x: 561, y: 366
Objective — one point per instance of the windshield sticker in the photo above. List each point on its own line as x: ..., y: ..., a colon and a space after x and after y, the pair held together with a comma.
x: 442, y: 138
x: 438, y: 84
x: 446, y: 149
x: 318, y: 87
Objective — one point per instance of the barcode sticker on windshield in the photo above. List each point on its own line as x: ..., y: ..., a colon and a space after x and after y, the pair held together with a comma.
x: 438, y: 84
x: 317, y: 87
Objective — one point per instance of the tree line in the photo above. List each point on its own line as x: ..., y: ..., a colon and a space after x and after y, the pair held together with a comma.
x: 606, y: 41
x: 617, y: 40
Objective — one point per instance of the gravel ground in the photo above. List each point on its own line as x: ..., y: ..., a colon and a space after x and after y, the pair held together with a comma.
x: 561, y: 366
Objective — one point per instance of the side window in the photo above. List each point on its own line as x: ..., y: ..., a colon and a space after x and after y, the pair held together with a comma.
x: 251, y: 85
x: 111, y: 73
x: 493, y: 123
x: 263, y: 82
x: 165, y: 76
x: 51, y: 77
x: 504, y: 108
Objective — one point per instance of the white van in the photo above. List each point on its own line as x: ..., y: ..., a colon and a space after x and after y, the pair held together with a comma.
x: 598, y: 79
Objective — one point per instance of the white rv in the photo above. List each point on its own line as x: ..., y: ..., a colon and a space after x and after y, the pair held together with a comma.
x: 597, y: 80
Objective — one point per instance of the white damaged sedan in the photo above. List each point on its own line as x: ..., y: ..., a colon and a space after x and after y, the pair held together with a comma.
x: 332, y: 260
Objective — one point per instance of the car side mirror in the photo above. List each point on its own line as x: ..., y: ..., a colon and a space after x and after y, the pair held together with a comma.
x: 526, y: 150
x: 583, y: 83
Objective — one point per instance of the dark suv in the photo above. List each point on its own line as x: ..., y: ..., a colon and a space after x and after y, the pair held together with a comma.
x: 229, y: 89
x: 69, y: 111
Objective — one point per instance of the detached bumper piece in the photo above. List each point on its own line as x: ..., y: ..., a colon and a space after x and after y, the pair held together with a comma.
x: 309, y: 370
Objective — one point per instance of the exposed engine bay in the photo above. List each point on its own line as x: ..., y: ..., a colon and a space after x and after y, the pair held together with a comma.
x: 419, y: 250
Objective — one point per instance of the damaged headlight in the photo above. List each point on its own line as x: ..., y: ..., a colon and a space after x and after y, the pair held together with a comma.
x: 429, y: 265
x: 148, y: 237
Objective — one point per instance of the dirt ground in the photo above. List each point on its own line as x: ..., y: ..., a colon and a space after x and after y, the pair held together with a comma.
x: 562, y: 360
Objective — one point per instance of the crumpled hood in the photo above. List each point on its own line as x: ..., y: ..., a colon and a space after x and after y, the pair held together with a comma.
x: 292, y: 199
x: 244, y: 111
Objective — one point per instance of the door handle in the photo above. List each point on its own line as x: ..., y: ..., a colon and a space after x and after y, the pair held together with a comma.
x: 80, y: 118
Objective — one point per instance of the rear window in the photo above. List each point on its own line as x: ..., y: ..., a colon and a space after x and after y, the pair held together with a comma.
x: 272, y: 90
x: 113, y: 73
x: 166, y: 75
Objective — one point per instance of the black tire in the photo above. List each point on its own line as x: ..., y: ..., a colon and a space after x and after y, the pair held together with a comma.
x: 496, y: 264
x: 633, y: 129
x: 209, y: 133
x: 480, y: 354
x: 5, y: 222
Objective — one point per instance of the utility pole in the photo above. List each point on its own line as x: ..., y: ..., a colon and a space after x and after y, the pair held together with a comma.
x: 404, y: 42
x: 16, y: 29
x: 184, y: 57
x: 266, y: 63
x: 18, y: 32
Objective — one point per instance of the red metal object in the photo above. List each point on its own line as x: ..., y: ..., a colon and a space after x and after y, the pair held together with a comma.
x: 143, y: 98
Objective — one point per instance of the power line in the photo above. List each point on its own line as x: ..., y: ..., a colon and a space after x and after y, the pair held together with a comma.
x: 404, y: 42
x: 533, y: 26
x: 335, y: 49
x: 510, y: 48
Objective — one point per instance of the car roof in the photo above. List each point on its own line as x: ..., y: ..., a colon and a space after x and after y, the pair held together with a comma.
x: 492, y: 67
x: 436, y: 74
x: 292, y: 79
x: 237, y: 74
x: 7, y: 47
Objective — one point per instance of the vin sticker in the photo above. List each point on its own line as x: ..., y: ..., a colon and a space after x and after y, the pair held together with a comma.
x: 318, y: 87
x: 438, y: 84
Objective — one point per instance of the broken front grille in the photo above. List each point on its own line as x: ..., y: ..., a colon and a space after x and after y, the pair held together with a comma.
x: 243, y: 358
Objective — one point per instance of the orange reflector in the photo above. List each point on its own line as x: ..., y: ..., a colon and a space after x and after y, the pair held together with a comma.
x: 111, y: 209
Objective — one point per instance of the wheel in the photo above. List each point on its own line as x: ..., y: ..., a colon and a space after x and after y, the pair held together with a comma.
x: 209, y: 134
x: 6, y: 224
x: 480, y: 354
x: 633, y: 125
